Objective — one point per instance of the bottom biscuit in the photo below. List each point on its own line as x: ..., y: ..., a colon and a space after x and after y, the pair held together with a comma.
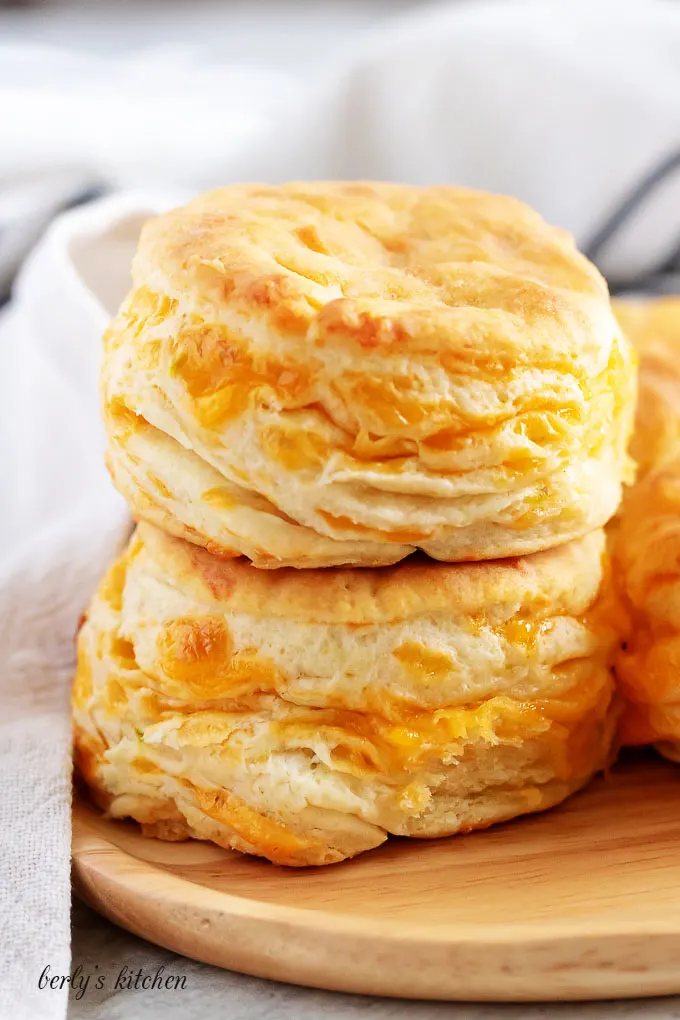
x: 306, y: 715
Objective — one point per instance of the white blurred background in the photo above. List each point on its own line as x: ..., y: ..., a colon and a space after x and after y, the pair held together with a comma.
x: 279, y: 33
x: 55, y: 46
x: 571, y: 105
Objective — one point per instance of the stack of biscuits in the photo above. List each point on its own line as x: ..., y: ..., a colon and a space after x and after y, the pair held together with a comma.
x: 371, y: 435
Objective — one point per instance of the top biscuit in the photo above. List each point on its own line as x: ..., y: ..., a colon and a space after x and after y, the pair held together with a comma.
x: 325, y: 374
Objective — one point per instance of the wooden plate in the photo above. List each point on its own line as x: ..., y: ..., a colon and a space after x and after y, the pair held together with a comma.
x: 581, y: 902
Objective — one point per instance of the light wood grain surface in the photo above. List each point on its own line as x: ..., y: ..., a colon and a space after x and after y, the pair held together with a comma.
x: 581, y: 902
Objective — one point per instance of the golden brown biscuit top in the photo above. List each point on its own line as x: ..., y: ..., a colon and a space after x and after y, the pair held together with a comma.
x: 565, y: 578
x: 654, y: 329
x: 380, y: 266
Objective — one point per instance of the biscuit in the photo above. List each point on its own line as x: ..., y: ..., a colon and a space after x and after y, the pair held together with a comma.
x: 653, y: 327
x: 327, y: 374
x: 305, y: 715
x: 646, y: 536
x: 647, y: 565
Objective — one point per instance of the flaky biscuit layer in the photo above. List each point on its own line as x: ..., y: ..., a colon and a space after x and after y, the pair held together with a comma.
x: 303, y: 716
x: 316, y: 375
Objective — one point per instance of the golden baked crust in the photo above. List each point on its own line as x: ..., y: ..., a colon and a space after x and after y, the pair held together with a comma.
x: 562, y: 579
x: 646, y: 536
x: 328, y: 374
x: 303, y: 715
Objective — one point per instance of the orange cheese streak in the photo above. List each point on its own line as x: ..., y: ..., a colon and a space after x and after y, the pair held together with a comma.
x: 294, y: 450
x: 220, y: 374
x: 364, y: 743
x: 424, y: 663
x: 428, y: 664
x: 196, y: 660
x: 276, y: 841
x: 159, y: 485
x: 219, y: 497
x: 143, y: 311
x: 342, y: 523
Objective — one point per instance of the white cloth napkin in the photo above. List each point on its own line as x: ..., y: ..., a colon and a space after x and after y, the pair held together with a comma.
x: 61, y: 525
x: 568, y: 105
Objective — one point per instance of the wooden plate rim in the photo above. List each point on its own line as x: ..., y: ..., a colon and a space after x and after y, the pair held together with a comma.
x: 522, y: 961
